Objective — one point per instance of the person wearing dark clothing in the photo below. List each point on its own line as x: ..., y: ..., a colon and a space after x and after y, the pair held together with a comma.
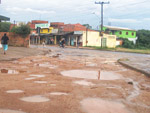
x: 63, y: 42
x: 4, y: 42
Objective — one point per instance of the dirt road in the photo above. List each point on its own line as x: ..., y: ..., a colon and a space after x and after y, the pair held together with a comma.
x: 72, y: 81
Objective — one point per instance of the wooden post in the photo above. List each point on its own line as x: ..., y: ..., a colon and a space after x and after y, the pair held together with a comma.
x: 36, y: 40
x: 29, y: 41
x: 76, y: 41
x: 39, y: 40
x: 99, y: 74
x: 55, y: 41
x: 69, y: 41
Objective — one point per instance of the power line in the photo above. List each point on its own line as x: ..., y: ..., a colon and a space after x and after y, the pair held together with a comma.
x: 133, y: 4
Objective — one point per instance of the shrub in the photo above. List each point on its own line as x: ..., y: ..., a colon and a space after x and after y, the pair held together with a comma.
x: 22, y: 30
x: 4, y: 26
x: 143, y: 39
x: 128, y: 44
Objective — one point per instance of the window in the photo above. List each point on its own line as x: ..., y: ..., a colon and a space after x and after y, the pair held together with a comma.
x: 41, y: 30
x: 120, y: 33
x: 132, y: 34
x: 127, y: 33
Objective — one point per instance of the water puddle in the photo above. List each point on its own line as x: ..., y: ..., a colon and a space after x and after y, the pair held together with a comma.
x: 40, y: 82
x: 94, y: 105
x: 46, y: 65
x: 90, y: 64
x: 133, y: 94
x: 100, y: 75
x: 83, y: 82
x: 10, y: 111
x: 52, y: 84
x: 31, y: 78
x: 146, y: 85
x: 36, y: 98
x: 24, y: 67
x: 24, y: 62
x: 7, y: 71
x: 14, y: 91
x: 38, y: 76
x: 58, y: 93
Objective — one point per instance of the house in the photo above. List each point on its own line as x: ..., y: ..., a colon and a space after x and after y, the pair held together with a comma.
x: 41, y: 34
x: 120, y: 32
x: 44, y: 28
x: 79, y: 35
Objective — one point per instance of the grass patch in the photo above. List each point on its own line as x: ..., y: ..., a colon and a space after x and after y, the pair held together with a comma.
x: 142, y: 51
x: 121, y: 49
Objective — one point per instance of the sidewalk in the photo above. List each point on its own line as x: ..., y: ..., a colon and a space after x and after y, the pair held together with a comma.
x: 138, y: 64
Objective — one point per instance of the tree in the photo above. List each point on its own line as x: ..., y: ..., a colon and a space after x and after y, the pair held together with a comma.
x: 4, y: 26
x: 143, y: 39
x: 87, y: 26
x: 127, y: 44
x: 23, y: 30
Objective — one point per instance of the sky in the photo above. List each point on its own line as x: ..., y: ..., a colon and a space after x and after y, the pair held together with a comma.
x: 133, y: 14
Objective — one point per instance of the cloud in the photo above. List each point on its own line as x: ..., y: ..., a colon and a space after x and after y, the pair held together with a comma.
x: 14, y: 10
x: 77, y: 11
x: 146, y: 19
x: 124, y: 20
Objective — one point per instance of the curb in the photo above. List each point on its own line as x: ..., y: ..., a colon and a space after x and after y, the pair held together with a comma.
x: 134, y: 68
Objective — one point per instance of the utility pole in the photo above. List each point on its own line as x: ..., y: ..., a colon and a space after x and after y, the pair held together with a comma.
x: 102, y: 3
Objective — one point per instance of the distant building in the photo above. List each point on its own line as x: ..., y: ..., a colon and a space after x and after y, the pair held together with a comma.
x: 34, y: 22
x: 120, y: 32
x: 57, y: 25
x: 78, y: 35
x: 74, y: 27
x: 3, y: 18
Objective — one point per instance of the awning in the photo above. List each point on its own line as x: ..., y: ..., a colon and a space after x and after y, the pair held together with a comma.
x: 4, y: 18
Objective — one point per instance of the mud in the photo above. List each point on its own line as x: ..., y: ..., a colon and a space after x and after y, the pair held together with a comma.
x: 94, y: 105
x: 85, y: 81
x: 7, y: 71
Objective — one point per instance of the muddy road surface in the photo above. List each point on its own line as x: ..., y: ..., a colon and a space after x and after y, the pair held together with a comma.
x: 72, y: 81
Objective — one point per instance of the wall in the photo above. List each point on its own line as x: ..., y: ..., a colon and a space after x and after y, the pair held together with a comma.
x: 94, y: 39
x: 111, y: 40
x: 16, y: 40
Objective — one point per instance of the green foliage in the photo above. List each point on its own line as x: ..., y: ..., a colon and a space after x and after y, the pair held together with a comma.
x: 143, y: 39
x: 4, y: 26
x: 87, y: 26
x: 22, y: 30
x: 128, y: 44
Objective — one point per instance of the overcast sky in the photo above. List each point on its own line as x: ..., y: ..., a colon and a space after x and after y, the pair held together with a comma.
x: 134, y: 14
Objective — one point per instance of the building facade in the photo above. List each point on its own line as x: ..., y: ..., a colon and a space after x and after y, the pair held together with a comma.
x: 129, y: 34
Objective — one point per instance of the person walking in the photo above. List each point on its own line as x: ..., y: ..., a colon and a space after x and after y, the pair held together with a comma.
x: 63, y: 42
x: 4, y: 42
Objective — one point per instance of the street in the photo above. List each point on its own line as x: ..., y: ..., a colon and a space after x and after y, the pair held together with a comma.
x: 70, y: 80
